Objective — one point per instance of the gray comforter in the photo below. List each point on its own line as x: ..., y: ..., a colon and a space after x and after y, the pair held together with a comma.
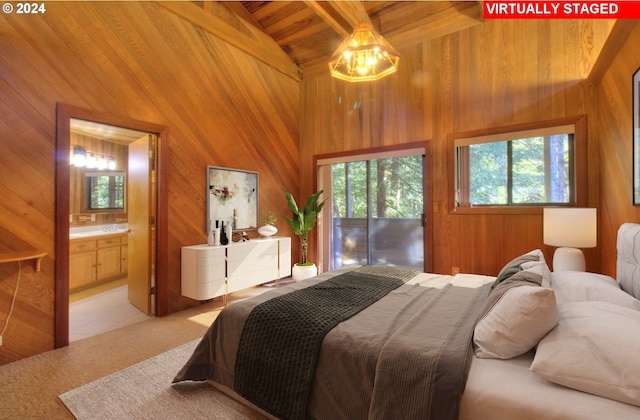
x: 406, y: 356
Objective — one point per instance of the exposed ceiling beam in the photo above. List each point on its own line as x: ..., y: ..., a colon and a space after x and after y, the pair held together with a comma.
x: 333, y: 23
x: 341, y: 16
x: 221, y: 22
x: 617, y: 37
x: 352, y: 11
x: 237, y: 8
x: 462, y: 16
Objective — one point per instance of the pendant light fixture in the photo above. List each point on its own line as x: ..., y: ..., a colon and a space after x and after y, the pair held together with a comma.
x: 363, y: 56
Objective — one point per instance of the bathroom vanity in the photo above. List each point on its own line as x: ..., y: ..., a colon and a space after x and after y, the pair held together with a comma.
x: 94, y: 259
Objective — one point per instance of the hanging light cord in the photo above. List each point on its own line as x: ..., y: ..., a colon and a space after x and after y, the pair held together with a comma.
x: 13, y: 302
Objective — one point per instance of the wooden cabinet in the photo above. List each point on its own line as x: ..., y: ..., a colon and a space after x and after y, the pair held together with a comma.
x: 82, y: 263
x: 211, y: 271
x: 96, y: 259
x: 108, y: 258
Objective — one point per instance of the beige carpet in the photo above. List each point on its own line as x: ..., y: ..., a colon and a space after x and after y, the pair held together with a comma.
x: 144, y: 391
x: 29, y: 388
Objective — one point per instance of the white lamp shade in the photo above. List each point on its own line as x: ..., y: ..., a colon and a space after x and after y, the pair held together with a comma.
x: 570, y: 227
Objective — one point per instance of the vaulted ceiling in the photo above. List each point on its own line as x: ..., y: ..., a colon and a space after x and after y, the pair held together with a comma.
x: 298, y: 37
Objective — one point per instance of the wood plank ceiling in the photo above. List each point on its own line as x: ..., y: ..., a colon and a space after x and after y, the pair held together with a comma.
x: 299, y: 37
x: 113, y: 134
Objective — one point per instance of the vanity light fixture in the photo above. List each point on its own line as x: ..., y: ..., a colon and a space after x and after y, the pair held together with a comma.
x: 363, y: 56
x: 90, y: 162
x: 80, y: 158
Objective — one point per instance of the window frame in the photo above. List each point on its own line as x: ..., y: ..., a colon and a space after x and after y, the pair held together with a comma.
x: 87, y: 191
x: 579, y: 171
x: 322, y: 164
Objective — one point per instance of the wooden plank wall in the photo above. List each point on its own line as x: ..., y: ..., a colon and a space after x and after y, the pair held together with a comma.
x: 222, y: 108
x: 615, y: 147
x: 225, y: 108
x: 494, y: 74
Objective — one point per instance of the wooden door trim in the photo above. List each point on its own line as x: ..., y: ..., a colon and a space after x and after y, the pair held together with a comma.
x: 64, y: 113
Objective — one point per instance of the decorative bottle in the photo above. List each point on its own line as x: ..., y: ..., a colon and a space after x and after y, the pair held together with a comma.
x: 223, y: 235
x: 216, y: 234
x: 211, y: 237
x: 229, y: 232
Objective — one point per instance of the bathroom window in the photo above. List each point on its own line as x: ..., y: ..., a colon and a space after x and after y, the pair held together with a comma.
x: 104, y: 191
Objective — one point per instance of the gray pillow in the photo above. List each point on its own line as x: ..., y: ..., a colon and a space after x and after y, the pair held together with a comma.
x: 514, y: 266
x: 521, y: 278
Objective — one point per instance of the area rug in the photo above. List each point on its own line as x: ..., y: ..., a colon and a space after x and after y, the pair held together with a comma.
x: 144, y: 391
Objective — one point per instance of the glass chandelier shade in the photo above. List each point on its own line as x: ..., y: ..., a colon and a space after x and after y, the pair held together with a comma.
x: 363, y: 56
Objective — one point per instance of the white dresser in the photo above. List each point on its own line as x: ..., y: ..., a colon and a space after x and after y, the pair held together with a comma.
x: 211, y: 271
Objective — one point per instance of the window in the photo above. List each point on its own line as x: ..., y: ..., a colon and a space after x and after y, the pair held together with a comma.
x: 534, y: 166
x: 377, y: 211
x: 104, y: 191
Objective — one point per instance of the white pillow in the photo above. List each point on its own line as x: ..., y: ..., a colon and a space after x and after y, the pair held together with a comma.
x: 594, y: 348
x: 594, y: 277
x: 516, y: 323
x: 573, y: 286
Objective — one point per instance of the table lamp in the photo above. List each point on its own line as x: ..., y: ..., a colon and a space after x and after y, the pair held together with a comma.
x: 569, y: 228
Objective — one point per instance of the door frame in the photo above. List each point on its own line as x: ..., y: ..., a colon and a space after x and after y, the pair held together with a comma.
x: 64, y: 114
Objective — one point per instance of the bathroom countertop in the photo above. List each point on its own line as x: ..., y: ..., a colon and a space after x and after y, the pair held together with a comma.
x: 96, y: 233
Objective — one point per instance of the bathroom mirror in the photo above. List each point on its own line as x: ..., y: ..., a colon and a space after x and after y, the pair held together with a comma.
x: 104, y: 191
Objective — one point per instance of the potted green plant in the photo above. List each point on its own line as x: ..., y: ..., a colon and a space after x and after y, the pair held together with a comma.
x: 303, y: 221
x: 267, y: 224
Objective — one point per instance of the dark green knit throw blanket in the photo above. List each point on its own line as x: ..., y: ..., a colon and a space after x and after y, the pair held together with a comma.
x: 281, y: 338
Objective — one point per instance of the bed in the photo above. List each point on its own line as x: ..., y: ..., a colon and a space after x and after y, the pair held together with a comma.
x: 527, y: 344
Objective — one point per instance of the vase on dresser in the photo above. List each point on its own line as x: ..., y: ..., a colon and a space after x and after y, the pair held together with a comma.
x: 267, y: 230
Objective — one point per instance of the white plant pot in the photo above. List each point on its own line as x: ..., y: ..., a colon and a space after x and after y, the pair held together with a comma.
x: 301, y: 272
x: 267, y: 230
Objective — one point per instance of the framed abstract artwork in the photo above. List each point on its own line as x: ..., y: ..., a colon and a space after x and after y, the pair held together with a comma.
x: 635, y: 117
x: 232, y: 197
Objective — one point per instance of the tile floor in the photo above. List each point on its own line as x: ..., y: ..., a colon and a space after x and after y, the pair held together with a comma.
x: 94, y: 314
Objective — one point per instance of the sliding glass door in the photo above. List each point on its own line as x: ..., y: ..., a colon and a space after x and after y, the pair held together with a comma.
x: 376, y: 213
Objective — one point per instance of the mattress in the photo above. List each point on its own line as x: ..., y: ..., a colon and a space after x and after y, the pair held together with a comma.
x: 506, y: 390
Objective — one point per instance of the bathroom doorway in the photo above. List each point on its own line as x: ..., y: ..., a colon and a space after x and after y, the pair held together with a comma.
x: 136, y: 226
x: 111, y: 249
